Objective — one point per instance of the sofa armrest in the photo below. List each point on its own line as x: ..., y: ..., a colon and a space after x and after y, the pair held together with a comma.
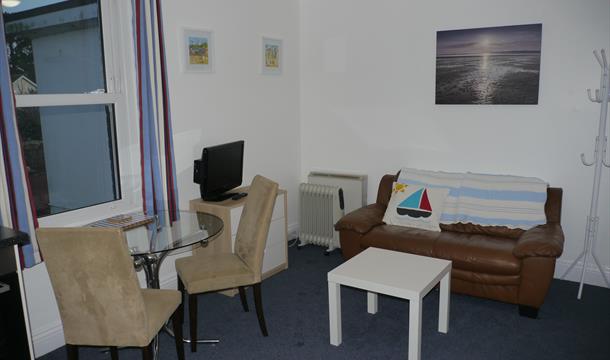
x: 362, y: 220
x: 543, y: 240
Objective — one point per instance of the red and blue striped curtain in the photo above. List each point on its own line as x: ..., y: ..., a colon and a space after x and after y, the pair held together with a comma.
x: 156, y: 143
x: 21, y: 211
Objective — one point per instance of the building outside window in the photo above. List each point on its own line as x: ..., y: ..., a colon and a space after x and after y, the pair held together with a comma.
x: 63, y: 62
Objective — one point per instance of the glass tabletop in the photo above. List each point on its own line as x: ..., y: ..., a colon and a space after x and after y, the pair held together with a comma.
x: 158, y: 237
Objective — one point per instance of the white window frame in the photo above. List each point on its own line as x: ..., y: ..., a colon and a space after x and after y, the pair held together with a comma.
x: 119, y: 61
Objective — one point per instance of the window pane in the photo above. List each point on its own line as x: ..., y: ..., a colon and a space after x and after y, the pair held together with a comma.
x: 55, y: 47
x: 70, y: 152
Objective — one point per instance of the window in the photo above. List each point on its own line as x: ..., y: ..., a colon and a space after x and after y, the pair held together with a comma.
x: 71, y: 113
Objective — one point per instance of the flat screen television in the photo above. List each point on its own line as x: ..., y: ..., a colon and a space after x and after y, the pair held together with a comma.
x: 220, y: 170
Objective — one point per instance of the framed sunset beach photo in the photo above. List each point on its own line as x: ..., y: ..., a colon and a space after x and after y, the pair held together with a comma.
x: 492, y: 65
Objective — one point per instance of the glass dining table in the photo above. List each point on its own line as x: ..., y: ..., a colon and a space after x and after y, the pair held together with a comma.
x: 149, y: 244
x: 151, y: 239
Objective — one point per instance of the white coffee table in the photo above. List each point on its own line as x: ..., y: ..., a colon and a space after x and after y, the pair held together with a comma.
x: 392, y: 273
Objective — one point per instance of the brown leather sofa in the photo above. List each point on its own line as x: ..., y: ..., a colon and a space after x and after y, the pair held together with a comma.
x: 498, y: 263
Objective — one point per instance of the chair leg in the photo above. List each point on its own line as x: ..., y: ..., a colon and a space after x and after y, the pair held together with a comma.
x: 114, y: 353
x: 258, y: 303
x: 147, y: 353
x: 182, y: 296
x: 193, y: 321
x: 72, y: 351
x: 177, y: 324
x: 242, y: 296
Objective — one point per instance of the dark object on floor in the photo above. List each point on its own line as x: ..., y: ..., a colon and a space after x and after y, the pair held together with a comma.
x: 498, y: 263
x: 528, y: 311
x: 13, y: 335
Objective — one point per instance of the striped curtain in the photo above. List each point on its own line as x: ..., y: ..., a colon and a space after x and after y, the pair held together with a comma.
x: 159, y: 190
x: 18, y: 209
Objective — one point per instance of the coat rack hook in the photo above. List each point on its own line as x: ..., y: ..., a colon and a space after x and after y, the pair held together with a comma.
x: 584, y: 161
x: 605, y: 160
x: 599, y: 59
x: 591, y: 96
x: 604, y: 59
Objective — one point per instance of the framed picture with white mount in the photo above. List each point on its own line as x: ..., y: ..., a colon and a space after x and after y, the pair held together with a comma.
x: 272, y: 54
x: 197, y: 50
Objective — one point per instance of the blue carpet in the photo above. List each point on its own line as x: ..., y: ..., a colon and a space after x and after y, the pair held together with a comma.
x: 296, y: 309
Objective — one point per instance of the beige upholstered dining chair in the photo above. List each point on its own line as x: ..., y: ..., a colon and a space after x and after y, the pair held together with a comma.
x: 203, y: 273
x: 97, y: 291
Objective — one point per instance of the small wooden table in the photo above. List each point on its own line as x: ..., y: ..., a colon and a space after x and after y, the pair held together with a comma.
x: 392, y: 273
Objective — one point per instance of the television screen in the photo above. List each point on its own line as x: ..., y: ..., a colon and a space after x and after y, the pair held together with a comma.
x: 220, y: 170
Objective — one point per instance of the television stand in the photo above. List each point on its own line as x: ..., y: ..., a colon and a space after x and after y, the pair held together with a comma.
x: 221, y: 197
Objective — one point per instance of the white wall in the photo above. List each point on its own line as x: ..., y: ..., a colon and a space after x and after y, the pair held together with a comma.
x: 368, y: 87
x: 236, y: 101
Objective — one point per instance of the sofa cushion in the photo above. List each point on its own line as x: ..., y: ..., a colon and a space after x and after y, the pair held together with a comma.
x: 488, y: 279
x: 401, y: 238
x: 415, y: 206
x: 470, y: 228
x: 478, y: 253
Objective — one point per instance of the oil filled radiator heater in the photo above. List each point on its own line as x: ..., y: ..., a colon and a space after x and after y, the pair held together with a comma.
x: 324, y: 199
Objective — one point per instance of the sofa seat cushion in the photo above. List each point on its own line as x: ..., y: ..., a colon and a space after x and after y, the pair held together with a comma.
x: 401, y: 238
x: 478, y: 253
x: 506, y: 293
x: 482, y: 278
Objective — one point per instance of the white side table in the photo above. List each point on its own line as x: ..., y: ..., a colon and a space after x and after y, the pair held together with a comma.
x: 392, y: 273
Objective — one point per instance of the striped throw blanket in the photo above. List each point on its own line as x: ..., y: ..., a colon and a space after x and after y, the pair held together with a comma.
x: 489, y: 200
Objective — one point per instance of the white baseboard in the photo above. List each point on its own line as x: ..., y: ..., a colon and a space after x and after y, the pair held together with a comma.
x: 592, y: 274
x: 48, y: 338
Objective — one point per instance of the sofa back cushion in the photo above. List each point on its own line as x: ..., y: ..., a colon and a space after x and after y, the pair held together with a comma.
x: 552, y: 208
x: 515, y: 202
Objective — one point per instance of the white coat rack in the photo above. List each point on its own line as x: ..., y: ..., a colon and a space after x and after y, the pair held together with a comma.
x: 602, y: 96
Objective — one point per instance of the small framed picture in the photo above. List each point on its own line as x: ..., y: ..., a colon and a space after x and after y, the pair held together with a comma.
x: 272, y: 56
x: 198, y: 50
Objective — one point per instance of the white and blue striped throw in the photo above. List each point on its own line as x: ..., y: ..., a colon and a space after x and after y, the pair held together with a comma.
x: 489, y: 200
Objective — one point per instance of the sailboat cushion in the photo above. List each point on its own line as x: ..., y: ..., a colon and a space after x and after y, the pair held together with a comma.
x: 415, y: 206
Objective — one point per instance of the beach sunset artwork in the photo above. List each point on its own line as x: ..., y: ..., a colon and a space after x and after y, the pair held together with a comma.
x: 494, y: 65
